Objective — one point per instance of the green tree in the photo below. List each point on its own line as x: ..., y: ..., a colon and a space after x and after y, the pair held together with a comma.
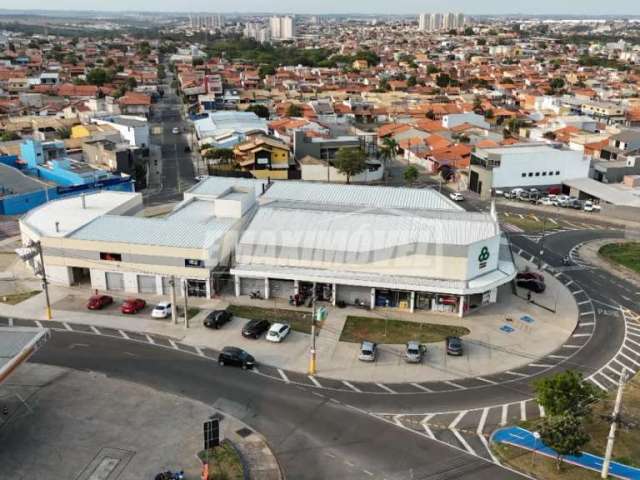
x: 265, y: 70
x: 565, y: 434
x: 98, y: 76
x: 259, y: 110
x: 412, y: 81
x: 131, y: 83
x: 489, y: 114
x: 443, y: 80
x: 222, y: 155
x: 63, y: 132
x: 350, y: 162
x: 431, y: 69
x: 9, y: 136
x: 557, y: 83
x: 294, y: 110
x: 468, y: 31
x: 566, y: 393
x: 411, y: 174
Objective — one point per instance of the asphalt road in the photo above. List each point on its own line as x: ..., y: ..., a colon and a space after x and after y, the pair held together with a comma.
x: 314, y: 437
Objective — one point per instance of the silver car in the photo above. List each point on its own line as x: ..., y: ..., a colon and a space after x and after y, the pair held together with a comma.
x: 414, y: 352
x: 368, y: 351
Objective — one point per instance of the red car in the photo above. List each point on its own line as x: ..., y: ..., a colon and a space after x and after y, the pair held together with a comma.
x: 98, y: 302
x: 133, y: 305
x: 530, y: 276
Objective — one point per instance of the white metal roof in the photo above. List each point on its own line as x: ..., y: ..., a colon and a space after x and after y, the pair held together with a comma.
x: 215, y: 187
x: 16, y: 345
x: 610, y: 193
x: 367, y: 196
x: 70, y: 214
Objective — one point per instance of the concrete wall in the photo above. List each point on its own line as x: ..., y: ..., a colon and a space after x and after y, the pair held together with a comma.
x: 319, y: 173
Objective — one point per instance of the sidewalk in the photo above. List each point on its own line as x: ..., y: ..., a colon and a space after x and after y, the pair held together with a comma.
x: 519, y: 437
x: 493, y: 345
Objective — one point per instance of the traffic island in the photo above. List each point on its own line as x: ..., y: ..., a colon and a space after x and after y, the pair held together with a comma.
x: 222, y: 463
x: 614, y: 256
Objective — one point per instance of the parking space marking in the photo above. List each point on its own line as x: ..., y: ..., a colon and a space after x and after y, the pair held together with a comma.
x: 314, y: 380
x: 584, y: 314
x: 39, y: 324
x: 150, y: 340
x: 570, y: 282
x: 540, y: 365
x: 456, y: 420
x: 583, y: 302
x: 283, y: 375
x: 355, y: 389
x: 483, y: 420
x: 562, y: 357
x: 384, y: 387
x: 124, y: 335
x: 624, y: 366
x: 586, y: 324
x: 552, y: 221
x: 503, y: 417
x: 427, y: 428
x: 482, y: 379
x: 581, y: 335
x: 464, y: 443
x: 597, y: 383
x: 199, y: 351
x: 517, y: 374
x: 622, y: 354
x: 67, y: 326
x: 455, y: 385
x: 523, y: 411
x: 577, y: 292
x: 95, y: 330
x: 173, y: 344
x: 571, y: 346
x: 608, y: 377
x: 421, y: 387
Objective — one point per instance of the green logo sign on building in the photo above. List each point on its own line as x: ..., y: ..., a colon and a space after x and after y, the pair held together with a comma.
x: 483, y: 257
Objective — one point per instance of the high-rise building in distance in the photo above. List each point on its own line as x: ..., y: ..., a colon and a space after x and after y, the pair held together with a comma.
x: 208, y: 22
x: 433, y: 22
x: 282, y: 28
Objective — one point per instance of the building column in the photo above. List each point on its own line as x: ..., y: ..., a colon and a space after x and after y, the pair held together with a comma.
x: 296, y: 287
x: 266, y: 288
x: 334, y: 292
x: 493, y: 295
x: 236, y: 282
x: 461, y: 309
x: 412, y: 302
x: 210, y: 290
x: 373, y: 298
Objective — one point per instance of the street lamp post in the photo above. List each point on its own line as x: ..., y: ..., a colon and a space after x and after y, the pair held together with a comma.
x: 32, y: 250
x: 544, y: 231
x: 536, y: 439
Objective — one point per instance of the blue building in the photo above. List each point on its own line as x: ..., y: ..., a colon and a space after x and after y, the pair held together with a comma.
x: 44, y: 172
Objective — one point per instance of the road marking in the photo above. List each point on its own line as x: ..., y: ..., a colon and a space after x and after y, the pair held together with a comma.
x: 519, y: 252
x: 456, y: 420
x: 608, y: 377
x: 624, y: 366
x: 633, y: 329
x: 483, y: 420
x: 283, y: 376
x: 384, y: 387
x: 329, y: 454
x: 39, y: 324
x: 523, y: 411
x: 368, y: 472
x: 10, y: 322
x: 598, y: 384
x: 586, y: 324
x: 581, y: 335
x: 583, y: 302
x: 124, y: 335
x: 552, y: 221
x: 571, y: 346
x: 517, y: 374
x: 199, y: 351
x: 634, y: 342
x: 570, y: 282
x: 614, y: 371
x: 314, y: 381
x: 558, y: 356
x: 150, y: 340
x: 482, y: 379
x: 95, y: 330
x: 540, y: 365
x: 584, y: 314
x: 173, y: 344
x: 635, y: 362
x: 67, y: 326
x: 541, y: 410
x: 421, y: 387
x: 503, y: 419
x: 463, y: 442
x: 577, y: 292
x: 453, y: 384
x: 633, y: 334
x: 427, y: 430
x: 355, y: 389
x: 557, y: 274
x: 486, y: 447
x: 521, y: 216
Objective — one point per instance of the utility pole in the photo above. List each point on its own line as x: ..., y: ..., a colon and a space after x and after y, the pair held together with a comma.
x: 174, y: 307
x: 312, y: 353
x: 615, y: 419
x: 544, y: 231
x: 45, y: 282
x: 186, y: 306
x: 175, y: 156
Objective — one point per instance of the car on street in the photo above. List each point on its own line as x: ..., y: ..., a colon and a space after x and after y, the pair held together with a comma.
x: 236, y: 357
x: 98, y: 302
x: 217, y: 318
x: 414, y: 352
x: 255, y: 328
x: 132, y: 305
x: 368, y: 351
x: 278, y: 332
x: 454, y: 346
x: 457, y: 196
x: 161, y: 310
x: 530, y: 276
x: 175, y: 130
x: 531, y: 285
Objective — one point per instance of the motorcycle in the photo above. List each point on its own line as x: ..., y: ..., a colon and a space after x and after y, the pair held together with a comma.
x: 255, y: 295
x: 566, y: 261
x: 169, y: 475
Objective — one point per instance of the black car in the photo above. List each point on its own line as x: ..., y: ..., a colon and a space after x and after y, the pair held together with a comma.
x: 217, y: 318
x: 255, y: 328
x: 236, y: 357
x: 454, y: 346
x: 531, y: 284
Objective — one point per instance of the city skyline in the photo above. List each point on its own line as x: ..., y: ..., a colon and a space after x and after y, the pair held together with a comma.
x: 404, y: 7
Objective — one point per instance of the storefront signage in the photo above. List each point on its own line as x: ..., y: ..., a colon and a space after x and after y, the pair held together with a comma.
x: 483, y: 257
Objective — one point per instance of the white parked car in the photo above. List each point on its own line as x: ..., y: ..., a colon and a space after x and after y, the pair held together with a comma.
x: 278, y: 332
x: 545, y: 201
x: 456, y: 196
x: 175, y: 130
x: 589, y: 206
x: 161, y: 310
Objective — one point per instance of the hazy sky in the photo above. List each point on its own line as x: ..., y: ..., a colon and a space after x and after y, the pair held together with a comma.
x: 578, y: 7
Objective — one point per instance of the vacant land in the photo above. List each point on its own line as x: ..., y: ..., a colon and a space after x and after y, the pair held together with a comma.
x: 626, y: 254
x: 300, y: 320
x: 16, y: 298
x: 382, y: 330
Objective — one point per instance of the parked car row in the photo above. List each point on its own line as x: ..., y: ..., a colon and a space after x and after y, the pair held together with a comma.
x: 129, y: 306
x: 414, y: 350
x: 533, y: 195
x: 275, y: 332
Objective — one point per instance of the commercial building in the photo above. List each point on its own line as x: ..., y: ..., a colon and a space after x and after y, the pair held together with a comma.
x: 282, y: 28
x: 227, y: 129
x: 524, y: 165
x: 98, y: 240
x: 433, y: 22
x: 379, y: 246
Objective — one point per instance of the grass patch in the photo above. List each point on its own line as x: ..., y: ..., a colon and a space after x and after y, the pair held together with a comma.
x: 626, y: 254
x: 626, y: 447
x: 16, y: 298
x: 300, y: 320
x: 224, y: 462
x: 381, y: 330
x: 528, y: 224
